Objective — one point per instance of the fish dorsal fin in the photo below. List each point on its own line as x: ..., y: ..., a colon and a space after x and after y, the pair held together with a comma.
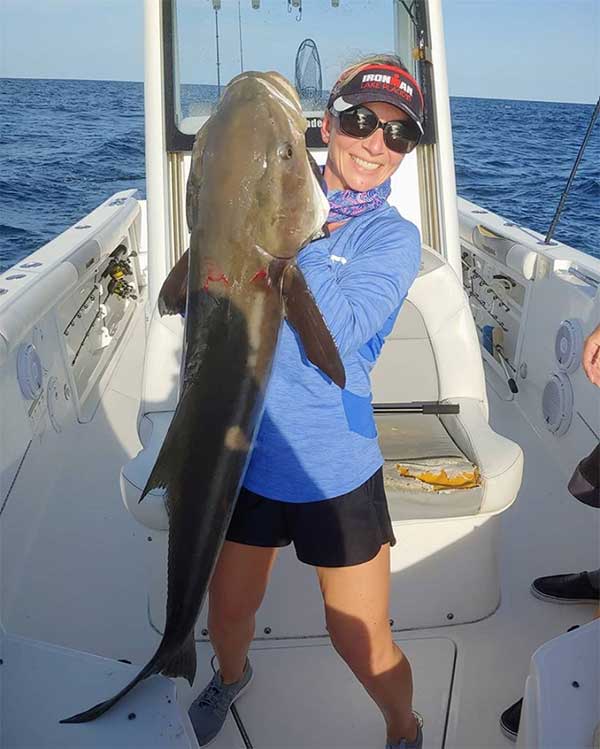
x: 305, y: 317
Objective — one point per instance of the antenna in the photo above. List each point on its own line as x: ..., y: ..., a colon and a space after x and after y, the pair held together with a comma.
x: 217, y: 5
x: 240, y: 28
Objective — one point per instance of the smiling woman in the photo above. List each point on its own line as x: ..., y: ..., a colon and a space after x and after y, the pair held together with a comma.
x: 374, y: 117
x: 360, y: 163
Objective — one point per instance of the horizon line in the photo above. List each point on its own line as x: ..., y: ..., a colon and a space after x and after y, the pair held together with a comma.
x: 123, y: 80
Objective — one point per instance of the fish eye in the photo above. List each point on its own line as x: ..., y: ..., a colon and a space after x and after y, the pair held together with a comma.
x: 286, y: 151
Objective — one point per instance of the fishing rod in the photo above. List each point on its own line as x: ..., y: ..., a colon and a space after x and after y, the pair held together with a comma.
x: 217, y: 6
x: 563, y: 197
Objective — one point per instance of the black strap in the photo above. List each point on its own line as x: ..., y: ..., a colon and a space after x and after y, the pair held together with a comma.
x: 417, y: 407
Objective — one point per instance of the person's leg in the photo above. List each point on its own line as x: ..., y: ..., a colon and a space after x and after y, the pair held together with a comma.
x: 236, y: 591
x: 356, y: 603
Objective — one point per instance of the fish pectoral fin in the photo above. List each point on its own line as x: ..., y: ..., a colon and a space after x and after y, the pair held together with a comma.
x: 305, y: 317
x: 173, y: 293
x: 184, y: 662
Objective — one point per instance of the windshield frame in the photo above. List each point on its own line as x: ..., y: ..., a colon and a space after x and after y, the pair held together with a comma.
x: 178, y: 141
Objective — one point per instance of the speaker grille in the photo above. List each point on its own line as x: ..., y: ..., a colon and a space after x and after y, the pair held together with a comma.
x: 557, y: 403
x: 568, y: 345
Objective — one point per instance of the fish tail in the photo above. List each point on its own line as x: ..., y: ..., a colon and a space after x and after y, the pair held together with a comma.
x: 183, y: 663
x: 95, y: 712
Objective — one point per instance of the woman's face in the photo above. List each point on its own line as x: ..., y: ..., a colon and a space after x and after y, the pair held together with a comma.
x: 360, y: 163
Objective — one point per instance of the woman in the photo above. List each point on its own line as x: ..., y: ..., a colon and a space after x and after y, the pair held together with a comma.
x: 315, y: 476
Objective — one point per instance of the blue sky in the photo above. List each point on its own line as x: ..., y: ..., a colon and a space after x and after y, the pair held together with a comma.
x: 520, y: 49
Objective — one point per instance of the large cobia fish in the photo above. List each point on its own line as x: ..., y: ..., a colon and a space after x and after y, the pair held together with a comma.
x: 253, y: 201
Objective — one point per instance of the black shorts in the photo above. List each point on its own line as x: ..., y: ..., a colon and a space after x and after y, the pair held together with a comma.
x: 338, y: 532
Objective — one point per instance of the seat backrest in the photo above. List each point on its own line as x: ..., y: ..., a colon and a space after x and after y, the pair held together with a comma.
x: 433, y: 350
x: 160, y: 381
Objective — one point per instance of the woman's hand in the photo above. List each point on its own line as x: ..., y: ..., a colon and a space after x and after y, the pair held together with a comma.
x: 591, y: 357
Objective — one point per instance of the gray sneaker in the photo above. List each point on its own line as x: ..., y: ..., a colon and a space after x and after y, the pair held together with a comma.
x: 209, y: 709
x: 417, y: 743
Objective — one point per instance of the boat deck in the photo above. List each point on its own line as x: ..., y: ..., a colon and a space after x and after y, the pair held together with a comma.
x: 79, y: 582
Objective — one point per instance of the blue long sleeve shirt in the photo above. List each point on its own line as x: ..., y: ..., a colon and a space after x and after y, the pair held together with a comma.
x: 316, y: 441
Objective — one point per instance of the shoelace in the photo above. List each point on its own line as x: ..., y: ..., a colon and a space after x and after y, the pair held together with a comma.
x: 419, y: 719
x: 212, y: 697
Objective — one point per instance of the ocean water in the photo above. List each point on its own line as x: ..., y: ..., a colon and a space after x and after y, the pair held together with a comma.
x: 65, y: 146
x: 514, y: 158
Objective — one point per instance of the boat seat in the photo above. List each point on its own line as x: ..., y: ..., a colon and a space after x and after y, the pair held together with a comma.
x: 447, y: 466
x: 160, y: 379
x: 432, y: 354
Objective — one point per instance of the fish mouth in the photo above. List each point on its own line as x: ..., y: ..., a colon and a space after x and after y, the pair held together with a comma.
x: 269, y: 256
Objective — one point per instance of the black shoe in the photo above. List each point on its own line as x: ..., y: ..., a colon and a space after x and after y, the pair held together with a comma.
x: 572, y: 588
x: 510, y: 719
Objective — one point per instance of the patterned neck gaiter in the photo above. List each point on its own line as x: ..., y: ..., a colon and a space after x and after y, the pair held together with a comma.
x: 345, y: 204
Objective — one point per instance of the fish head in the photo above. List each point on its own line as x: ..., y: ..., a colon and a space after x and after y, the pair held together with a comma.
x: 270, y: 164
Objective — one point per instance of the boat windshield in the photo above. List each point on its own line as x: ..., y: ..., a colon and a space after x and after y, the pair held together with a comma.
x: 308, y: 41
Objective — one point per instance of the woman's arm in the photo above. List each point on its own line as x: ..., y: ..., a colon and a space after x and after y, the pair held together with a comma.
x: 369, y: 288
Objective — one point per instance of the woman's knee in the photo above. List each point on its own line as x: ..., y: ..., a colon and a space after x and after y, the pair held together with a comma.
x: 367, y: 648
x: 239, y: 583
x: 228, y: 605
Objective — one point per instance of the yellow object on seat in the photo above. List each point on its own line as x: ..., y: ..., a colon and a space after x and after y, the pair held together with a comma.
x: 459, y: 476
x: 420, y: 456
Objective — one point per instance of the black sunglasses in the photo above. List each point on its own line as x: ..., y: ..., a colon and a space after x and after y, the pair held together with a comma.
x: 400, y: 136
